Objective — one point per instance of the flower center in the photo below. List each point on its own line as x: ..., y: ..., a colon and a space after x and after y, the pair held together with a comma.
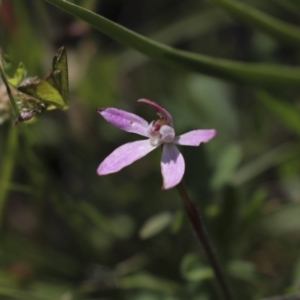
x: 159, y: 132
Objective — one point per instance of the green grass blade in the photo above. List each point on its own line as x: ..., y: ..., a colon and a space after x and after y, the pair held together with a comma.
x: 7, y: 167
x: 285, y: 112
x: 9, y: 93
x: 262, y: 21
x: 289, y: 6
x: 266, y: 161
x: 262, y: 74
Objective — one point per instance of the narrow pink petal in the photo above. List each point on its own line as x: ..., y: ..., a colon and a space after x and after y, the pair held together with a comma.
x: 160, y: 110
x: 172, y: 166
x: 124, y: 120
x: 195, y: 137
x: 124, y: 156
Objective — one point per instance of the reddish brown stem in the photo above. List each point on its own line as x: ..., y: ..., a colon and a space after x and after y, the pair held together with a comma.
x: 202, y: 235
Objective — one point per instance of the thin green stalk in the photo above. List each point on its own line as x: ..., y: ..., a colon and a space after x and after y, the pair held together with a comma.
x: 9, y: 93
x: 10, y: 156
x: 7, y: 169
x: 254, y: 73
x: 202, y: 235
x: 277, y: 28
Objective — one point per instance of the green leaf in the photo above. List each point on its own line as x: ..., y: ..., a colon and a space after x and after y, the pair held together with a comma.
x: 283, y: 221
x: 259, y: 165
x: 243, y: 270
x: 148, y: 282
x: 155, y: 225
x: 42, y: 90
x: 177, y: 221
x: 60, y: 76
x: 291, y: 7
x: 225, y: 223
x: 37, y: 256
x: 296, y: 273
x: 264, y: 22
x: 193, y: 269
x: 285, y: 112
x: 268, y: 75
x: 206, y: 93
x: 19, y: 76
x: 35, y: 290
x: 295, y: 2
x: 53, y: 89
x: 36, y: 95
x: 252, y: 211
x: 227, y: 164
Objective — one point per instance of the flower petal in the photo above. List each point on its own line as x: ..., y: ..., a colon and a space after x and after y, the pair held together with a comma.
x: 124, y: 120
x: 124, y: 156
x: 172, y: 166
x: 160, y: 110
x: 195, y: 137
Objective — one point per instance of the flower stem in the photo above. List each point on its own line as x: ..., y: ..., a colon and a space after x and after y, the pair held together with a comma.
x: 202, y: 234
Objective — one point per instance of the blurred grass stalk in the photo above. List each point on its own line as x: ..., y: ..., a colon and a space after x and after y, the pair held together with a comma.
x: 10, y: 157
x: 9, y: 93
x: 7, y: 169
x: 255, y: 18
x: 262, y: 74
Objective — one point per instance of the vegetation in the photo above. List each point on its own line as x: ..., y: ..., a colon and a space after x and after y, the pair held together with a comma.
x: 67, y: 233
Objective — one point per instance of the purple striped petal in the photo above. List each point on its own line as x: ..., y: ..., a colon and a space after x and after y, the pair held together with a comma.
x: 172, y: 166
x: 124, y: 156
x: 160, y: 110
x: 195, y: 137
x: 124, y: 120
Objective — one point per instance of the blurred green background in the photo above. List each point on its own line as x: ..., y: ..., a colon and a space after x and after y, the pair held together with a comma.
x: 68, y: 234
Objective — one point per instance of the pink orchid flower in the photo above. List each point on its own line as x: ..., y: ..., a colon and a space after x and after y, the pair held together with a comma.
x: 159, y: 132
